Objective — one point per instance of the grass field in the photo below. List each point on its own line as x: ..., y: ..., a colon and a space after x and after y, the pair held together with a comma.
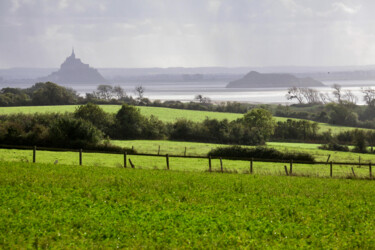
x: 164, y: 114
x: 49, y: 206
x: 202, y: 149
x: 178, y: 163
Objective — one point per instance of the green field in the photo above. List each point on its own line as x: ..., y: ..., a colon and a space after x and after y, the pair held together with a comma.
x: 179, y: 163
x: 202, y: 149
x: 164, y: 114
x: 49, y: 206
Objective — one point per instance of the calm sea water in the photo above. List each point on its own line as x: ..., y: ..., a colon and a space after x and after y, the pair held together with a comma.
x: 216, y: 91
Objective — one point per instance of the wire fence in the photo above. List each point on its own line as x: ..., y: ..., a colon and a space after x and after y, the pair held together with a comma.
x: 289, y: 165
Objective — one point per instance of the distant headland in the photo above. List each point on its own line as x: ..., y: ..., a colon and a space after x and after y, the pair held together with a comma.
x: 74, y: 71
x: 258, y: 80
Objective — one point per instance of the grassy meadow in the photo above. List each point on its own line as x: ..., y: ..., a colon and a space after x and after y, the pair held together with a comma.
x: 180, y: 164
x: 49, y: 206
x: 202, y: 149
x: 164, y: 114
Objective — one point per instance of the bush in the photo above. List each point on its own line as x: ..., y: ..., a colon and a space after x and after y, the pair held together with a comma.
x: 260, y: 153
x: 105, y: 147
x: 96, y: 115
x: 334, y: 146
x: 74, y: 133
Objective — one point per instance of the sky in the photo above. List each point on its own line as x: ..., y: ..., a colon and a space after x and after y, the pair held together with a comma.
x: 187, y: 33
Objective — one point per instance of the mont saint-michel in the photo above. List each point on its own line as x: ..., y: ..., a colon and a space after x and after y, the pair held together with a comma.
x: 74, y: 71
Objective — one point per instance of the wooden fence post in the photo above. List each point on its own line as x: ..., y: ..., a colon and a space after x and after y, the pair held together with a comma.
x: 159, y: 150
x: 353, y: 172
x: 167, y: 158
x: 131, y: 163
x: 286, y: 170
x: 209, y: 164
x: 329, y: 156
x: 80, y: 157
x: 221, y: 165
x: 34, y: 154
x: 185, y: 152
x: 331, y: 170
x: 291, y: 167
x: 125, y: 156
x: 370, y: 169
x: 251, y: 165
x: 133, y: 148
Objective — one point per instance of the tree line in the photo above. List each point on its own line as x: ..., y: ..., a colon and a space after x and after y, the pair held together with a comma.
x: 90, y: 127
x: 49, y: 93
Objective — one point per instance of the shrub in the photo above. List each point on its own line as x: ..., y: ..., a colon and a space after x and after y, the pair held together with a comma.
x: 94, y: 114
x: 334, y: 146
x: 105, y: 147
x: 75, y: 133
x: 260, y: 153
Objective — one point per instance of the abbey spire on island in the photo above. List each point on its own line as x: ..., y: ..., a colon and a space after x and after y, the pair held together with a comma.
x: 72, y: 70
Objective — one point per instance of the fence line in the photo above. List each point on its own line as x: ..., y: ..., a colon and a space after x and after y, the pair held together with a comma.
x: 125, y: 154
x: 183, y: 156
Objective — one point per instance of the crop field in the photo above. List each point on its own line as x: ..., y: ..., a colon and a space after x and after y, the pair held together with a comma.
x: 164, y: 114
x: 49, y: 206
x: 202, y: 149
x: 181, y: 164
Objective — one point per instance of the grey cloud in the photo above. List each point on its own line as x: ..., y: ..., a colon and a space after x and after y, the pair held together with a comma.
x: 161, y: 33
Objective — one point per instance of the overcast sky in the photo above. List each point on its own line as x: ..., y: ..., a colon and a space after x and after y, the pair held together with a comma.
x: 189, y: 33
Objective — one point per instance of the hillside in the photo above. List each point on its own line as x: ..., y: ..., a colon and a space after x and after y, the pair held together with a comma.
x: 164, y: 114
x: 258, y: 80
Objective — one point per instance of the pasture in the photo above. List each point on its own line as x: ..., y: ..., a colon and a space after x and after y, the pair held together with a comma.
x: 49, y: 206
x: 164, y: 114
x: 181, y: 164
x: 202, y: 149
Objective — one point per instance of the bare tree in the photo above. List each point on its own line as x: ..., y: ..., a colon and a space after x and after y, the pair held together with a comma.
x: 202, y: 99
x: 324, y: 98
x: 369, y: 96
x: 337, y: 92
x: 119, y: 92
x: 103, y: 92
x: 295, y: 93
x: 349, y: 97
x: 139, y: 90
x: 311, y: 95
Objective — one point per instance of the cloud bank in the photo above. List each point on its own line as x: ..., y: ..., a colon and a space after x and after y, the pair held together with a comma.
x: 189, y: 33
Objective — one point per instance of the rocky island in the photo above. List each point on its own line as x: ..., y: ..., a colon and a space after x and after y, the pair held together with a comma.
x: 257, y: 80
x: 74, y: 71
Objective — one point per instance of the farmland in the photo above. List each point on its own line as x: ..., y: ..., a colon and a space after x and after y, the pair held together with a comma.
x: 49, y: 206
x: 201, y: 149
x: 182, y: 163
x: 164, y: 114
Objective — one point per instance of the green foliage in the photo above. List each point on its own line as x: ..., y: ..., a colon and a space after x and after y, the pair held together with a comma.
x: 75, y: 133
x: 342, y: 114
x: 164, y: 114
x: 96, y: 115
x: 360, y: 143
x: 49, y: 206
x: 301, y: 130
x: 260, y: 153
x: 131, y: 124
x: 261, y: 121
x: 202, y: 149
x: 128, y: 122
x: 13, y: 96
x: 51, y: 94
x: 334, y: 146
